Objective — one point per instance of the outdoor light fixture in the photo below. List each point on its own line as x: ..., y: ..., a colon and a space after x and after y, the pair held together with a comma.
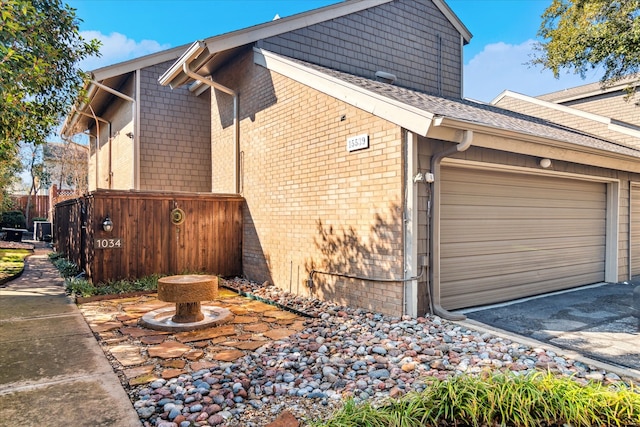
x: 545, y: 163
x: 107, y: 224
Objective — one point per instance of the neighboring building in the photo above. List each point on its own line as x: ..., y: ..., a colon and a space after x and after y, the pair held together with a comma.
x: 612, y: 101
x: 67, y: 166
x: 403, y: 197
x: 606, y: 113
x: 143, y: 136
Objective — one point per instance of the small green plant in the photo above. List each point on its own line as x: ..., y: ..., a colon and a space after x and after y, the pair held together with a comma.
x: 55, y: 255
x: 80, y: 287
x: 499, y: 400
x: 66, y: 267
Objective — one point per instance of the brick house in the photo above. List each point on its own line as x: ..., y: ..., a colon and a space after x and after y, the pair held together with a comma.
x: 368, y: 180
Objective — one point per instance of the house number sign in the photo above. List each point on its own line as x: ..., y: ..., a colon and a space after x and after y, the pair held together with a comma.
x: 357, y: 142
x: 115, y: 243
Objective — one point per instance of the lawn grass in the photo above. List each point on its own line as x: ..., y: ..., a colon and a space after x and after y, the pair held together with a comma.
x: 12, y: 263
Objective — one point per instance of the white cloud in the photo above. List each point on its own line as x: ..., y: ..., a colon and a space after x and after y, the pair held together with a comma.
x: 116, y: 48
x: 502, y: 66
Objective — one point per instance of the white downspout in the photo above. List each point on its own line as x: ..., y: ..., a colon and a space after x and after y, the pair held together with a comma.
x: 236, y: 118
x: 436, y: 159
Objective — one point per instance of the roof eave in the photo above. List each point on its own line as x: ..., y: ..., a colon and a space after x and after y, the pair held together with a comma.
x: 174, y: 76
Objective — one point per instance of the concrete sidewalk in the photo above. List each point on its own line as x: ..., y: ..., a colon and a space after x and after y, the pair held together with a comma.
x: 52, y: 370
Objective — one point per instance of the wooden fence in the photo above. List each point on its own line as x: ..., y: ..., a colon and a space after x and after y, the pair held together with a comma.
x: 153, y: 233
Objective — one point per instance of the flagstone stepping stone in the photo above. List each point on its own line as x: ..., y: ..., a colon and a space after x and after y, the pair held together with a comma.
x: 244, y: 319
x: 135, y: 332
x: 138, y: 371
x: 146, y: 307
x: 205, y: 334
x: 204, y: 364
x: 144, y: 379
x: 105, y: 326
x: 228, y: 355
x: 127, y: 355
x: 285, y: 322
x: 173, y: 363
x: 258, y: 327
x: 194, y: 354
x: 168, y: 350
x: 247, y: 345
x: 153, y: 339
x: 237, y: 310
x: 125, y: 317
x: 280, y: 314
x: 243, y: 337
x: 258, y: 307
x: 278, y: 334
x: 172, y: 373
x: 298, y: 325
x: 200, y: 344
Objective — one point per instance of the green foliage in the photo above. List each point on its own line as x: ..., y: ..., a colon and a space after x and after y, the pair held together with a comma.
x: 66, y: 267
x: 12, y: 263
x: 149, y: 283
x: 500, y: 400
x: 580, y: 35
x: 80, y: 287
x: 40, y: 48
x: 13, y: 219
x: 84, y: 288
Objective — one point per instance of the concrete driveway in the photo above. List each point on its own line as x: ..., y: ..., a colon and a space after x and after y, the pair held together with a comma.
x: 595, y: 321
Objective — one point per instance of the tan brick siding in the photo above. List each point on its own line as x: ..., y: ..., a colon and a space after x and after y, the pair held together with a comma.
x: 411, y: 39
x: 310, y: 204
x: 175, y: 150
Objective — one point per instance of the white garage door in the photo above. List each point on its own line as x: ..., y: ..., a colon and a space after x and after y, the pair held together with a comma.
x: 507, y: 235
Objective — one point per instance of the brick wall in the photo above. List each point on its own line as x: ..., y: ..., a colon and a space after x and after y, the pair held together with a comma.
x: 310, y: 204
x: 411, y: 39
x: 174, y: 136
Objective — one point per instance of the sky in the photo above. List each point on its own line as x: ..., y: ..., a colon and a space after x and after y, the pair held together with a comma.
x: 504, y: 33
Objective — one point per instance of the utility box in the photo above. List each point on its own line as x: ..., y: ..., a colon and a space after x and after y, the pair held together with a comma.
x: 42, y: 231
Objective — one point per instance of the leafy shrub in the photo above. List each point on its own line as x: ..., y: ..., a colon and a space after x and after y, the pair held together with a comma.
x: 66, y: 267
x: 80, y: 287
x: 501, y: 399
x: 13, y: 219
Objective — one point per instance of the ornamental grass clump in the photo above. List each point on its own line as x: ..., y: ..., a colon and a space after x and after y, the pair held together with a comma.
x: 500, y: 400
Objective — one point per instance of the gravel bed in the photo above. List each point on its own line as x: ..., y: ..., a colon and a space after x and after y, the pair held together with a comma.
x: 341, y: 352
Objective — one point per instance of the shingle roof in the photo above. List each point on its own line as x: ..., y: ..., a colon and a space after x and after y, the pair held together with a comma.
x: 478, y: 113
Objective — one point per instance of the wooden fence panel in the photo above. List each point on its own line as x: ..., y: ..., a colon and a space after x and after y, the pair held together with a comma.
x: 144, y: 239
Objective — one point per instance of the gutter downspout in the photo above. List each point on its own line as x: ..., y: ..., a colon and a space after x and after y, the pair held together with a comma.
x: 436, y: 159
x: 98, y: 120
x: 133, y: 121
x: 236, y: 118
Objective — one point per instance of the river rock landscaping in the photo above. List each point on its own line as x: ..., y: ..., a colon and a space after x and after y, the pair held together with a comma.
x: 298, y: 359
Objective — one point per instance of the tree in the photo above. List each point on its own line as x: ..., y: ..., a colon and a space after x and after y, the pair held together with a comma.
x: 580, y: 35
x: 67, y: 165
x: 40, y: 48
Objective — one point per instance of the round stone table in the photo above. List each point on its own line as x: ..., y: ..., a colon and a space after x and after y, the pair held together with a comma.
x: 188, y: 291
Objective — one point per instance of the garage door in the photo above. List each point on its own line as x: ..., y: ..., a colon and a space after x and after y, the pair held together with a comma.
x: 635, y: 230
x: 507, y: 235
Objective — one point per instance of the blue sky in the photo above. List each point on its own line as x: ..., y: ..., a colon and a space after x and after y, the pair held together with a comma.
x: 503, y: 34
